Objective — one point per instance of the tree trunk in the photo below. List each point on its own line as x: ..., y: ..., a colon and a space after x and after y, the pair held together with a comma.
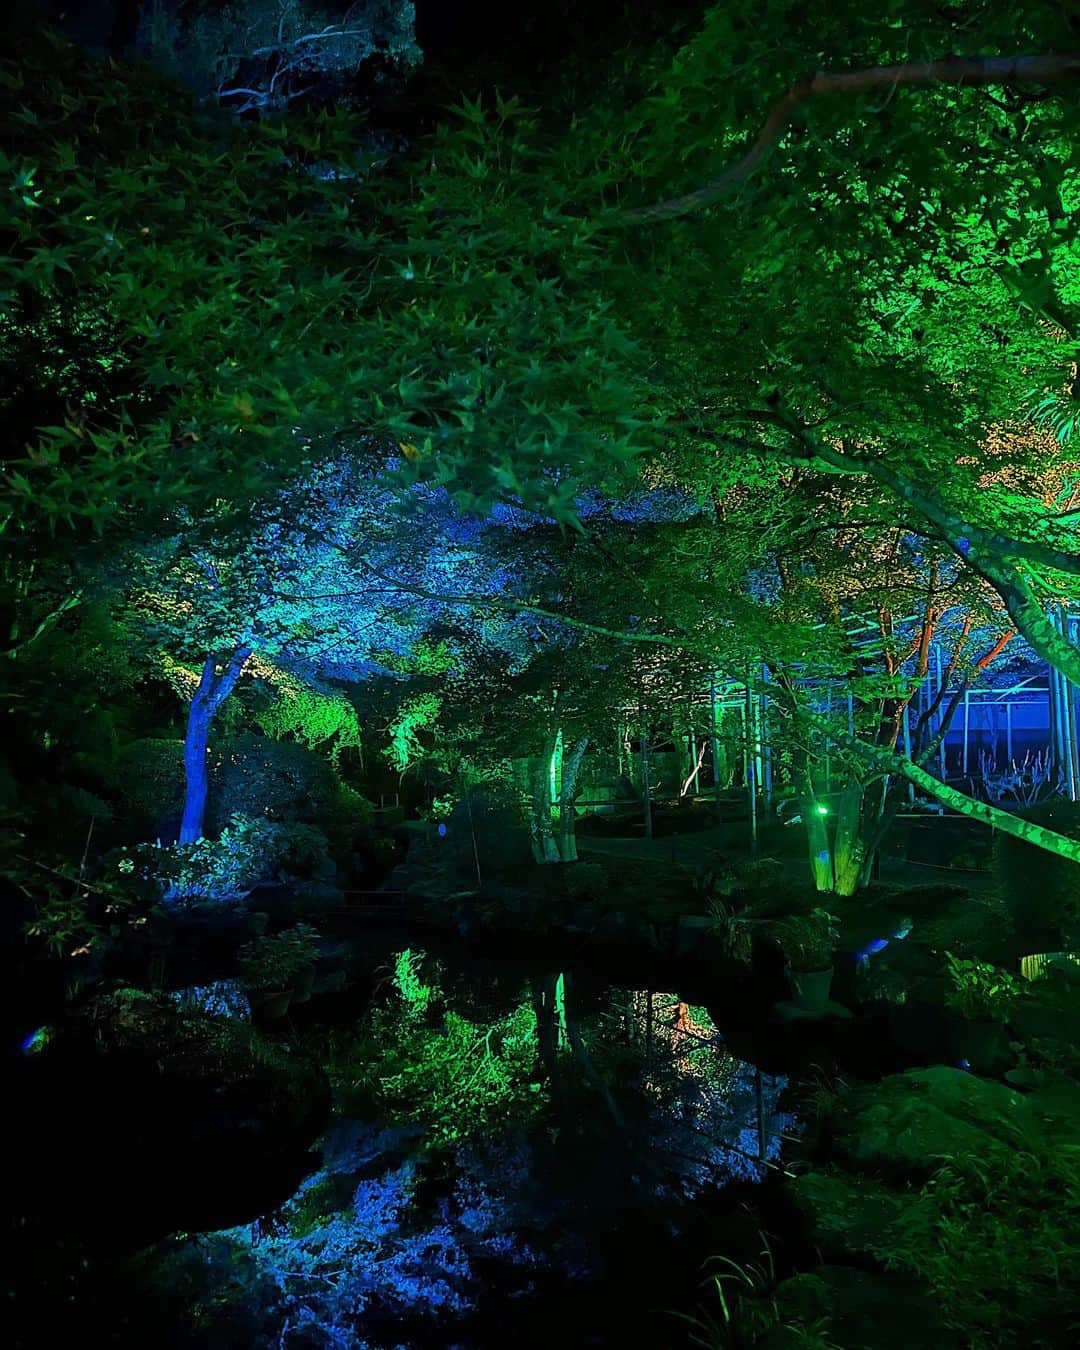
x: 196, y: 769
x: 543, y: 844
x: 818, y: 841
x: 567, y: 815
x: 215, y: 686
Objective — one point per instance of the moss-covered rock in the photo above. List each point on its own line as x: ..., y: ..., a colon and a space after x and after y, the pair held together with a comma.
x: 908, y: 1123
x: 850, y: 1307
x: 847, y: 1214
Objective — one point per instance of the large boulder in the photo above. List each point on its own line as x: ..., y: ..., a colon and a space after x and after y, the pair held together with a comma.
x: 909, y: 1123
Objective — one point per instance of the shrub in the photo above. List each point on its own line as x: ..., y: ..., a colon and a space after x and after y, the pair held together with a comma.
x: 995, y: 1241
x: 586, y: 881
x: 248, y: 851
x: 279, y: 780
x: 148, y: 776
x: 978, y: 989
x: 274, y: 962
x: 808, y: 940
x: 346, y: 811
x: 1041, y: 889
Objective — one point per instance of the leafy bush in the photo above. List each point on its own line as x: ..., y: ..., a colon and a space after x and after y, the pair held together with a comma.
x: 346, y: 811
x: 274, y: 962
x: 978, y: 989
x: 281, y: 780
x: 808, y: 940
x: 1041, y: 889
x: 248, y: 851
x: 586, y: 881
x: 148, y: 775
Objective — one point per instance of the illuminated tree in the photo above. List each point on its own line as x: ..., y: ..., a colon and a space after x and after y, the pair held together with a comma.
x: 298, y: 589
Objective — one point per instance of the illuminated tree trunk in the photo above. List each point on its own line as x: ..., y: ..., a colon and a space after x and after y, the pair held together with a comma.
x: 544, y: 847
x: 216, y: 683
x: 549, y: 1007
x: 856, y: 837
x: 818, y: 841
x: 571, y: 767
x: 890, y: 762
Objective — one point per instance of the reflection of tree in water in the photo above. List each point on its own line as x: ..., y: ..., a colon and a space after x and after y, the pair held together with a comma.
x: 714, y: 1116
x: 487, y: 1130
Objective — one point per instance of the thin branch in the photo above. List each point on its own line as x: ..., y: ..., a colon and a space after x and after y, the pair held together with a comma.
x: 1040, y: 68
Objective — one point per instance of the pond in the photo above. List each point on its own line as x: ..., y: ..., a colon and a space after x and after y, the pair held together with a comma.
x: 512, y: 1146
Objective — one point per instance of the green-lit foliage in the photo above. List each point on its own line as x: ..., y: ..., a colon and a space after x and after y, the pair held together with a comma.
x: 414, y: 715
x: 319, y: 720
x: 273, y: 962
x: 995, y: 1242
x: 251, y: 296
x: 429, y: 1065
x: 982, y: 990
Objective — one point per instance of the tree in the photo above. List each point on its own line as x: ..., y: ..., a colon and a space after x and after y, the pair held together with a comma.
x: 262, y: 55
x: 298, y: 586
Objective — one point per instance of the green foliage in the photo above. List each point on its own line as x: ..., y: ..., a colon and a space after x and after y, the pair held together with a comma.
x: 273, y: 962
x: 148, y: 776
x: 978, y: 989
x: 413, y: 716
x: 422, y: 1063
x: 995, y: 1240
x: 249, y: 850
x: 75, y: 915
x: 281, y: 780
x: 460, y: 1079
x: 318, y: 720
x: 416, y: 994
x: 808, y: 940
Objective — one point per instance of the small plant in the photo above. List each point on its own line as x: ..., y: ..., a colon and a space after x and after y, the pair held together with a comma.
x: 808, y: 940
x: 272, y: 963
x: 1031, y: 781
x: 409, y: 985
x: 748, y: 1314
x: 978, y: 989
x: 734, y: 929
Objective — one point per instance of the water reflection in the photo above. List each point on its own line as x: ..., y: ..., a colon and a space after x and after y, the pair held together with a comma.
x: 487, y: 1132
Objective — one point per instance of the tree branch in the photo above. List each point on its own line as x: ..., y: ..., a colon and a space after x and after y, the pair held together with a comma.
x: 1042, y: 68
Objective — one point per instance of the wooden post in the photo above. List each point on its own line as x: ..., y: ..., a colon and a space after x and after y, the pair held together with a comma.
x: 1008, y: 733
x: 907, y: 749
x: 760, y: 1102
x: 766, y: 748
